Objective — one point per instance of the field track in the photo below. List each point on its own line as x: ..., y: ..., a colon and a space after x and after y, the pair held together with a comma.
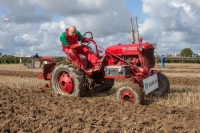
x: 24, y: 107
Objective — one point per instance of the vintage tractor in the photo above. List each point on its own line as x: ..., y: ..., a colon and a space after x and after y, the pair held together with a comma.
x: 131, y: 64
x: 33, y: 62
x: 36, y: 62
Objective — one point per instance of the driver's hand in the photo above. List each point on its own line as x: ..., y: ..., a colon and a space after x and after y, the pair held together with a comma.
x: 89, y: 39
x: 80, y: 43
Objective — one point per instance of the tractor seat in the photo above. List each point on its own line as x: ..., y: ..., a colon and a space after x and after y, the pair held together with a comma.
x: 97, y: 67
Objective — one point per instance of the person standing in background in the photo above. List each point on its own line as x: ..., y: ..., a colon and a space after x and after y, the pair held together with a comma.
x: 163, y: 61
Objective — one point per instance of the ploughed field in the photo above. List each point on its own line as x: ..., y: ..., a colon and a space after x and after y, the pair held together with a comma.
x: 24, y: 107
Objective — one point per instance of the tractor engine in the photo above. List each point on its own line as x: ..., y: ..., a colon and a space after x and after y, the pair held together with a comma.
x: 139, y: 55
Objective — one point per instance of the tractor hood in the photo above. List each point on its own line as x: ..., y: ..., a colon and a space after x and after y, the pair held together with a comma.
x: 128, y: 49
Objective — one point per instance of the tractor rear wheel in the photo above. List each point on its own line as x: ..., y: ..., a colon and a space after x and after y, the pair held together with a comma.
x: 36, y: 63
x: 164, y: 86
x: 130, y: 92
x: 69, y: 80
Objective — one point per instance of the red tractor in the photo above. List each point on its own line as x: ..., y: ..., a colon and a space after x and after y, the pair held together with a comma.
x: 37, y: 62
x: 130, y: 63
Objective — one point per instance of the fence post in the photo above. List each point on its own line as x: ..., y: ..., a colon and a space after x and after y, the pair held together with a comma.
x: 20, y: 60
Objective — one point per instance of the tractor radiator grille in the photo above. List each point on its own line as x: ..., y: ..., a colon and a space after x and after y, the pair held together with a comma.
x: 149, y: 59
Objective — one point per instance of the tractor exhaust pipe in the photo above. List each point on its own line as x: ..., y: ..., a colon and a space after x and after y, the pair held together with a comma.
x: 132, y: 32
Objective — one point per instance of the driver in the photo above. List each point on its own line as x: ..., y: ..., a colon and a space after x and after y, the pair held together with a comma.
x: 72, y: 45
x: 36, y: 56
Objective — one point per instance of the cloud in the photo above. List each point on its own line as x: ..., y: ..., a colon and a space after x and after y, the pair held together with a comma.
x: 148, y: 28
x: 78, y: 7
x: 22, y: 11
x: 173, y: 24
x: 35, y: 25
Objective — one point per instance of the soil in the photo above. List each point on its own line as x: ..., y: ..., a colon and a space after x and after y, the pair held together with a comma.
x: 18, y: 73
x: 36, y: 110
x: 173, y: 80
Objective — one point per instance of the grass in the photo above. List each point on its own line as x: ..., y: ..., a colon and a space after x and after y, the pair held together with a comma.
x: 21, y: 82
x: 182, y: 75
x: 181, y: 96
x: 18, y: 67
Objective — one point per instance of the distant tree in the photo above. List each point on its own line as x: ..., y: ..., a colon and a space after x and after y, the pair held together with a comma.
x: 186, y: 52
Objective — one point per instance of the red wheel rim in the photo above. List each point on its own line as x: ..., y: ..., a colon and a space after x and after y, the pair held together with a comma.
x: 66, y: 83
x: 127, y: 96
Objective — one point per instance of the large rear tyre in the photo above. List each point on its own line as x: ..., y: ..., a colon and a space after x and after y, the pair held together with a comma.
x: 164, y: 86
x: 36, y: 64
x: 68, y: 80
x: 130, y: 92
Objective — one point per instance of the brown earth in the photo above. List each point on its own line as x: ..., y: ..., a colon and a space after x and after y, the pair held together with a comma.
x: 173, y: 80
x: 24, y: 110
x: 18, y: 73
x: 35, y: 110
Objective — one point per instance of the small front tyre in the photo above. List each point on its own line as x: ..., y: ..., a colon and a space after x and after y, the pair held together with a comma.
x: 130, y: 92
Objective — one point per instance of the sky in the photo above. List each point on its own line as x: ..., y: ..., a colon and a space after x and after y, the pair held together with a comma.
x: 34, y: 26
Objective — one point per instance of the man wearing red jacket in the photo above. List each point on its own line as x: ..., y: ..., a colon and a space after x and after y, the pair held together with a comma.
x: 72, y: 45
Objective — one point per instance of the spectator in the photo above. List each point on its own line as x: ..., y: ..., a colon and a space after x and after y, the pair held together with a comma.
x: 163, y: 61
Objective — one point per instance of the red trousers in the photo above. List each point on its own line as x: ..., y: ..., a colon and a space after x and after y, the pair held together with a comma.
x: 84, y: 50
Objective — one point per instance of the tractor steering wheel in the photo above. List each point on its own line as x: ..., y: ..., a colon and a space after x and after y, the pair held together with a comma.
x: 90, y: 36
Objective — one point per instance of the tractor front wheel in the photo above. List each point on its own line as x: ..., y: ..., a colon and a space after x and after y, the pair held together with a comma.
x: 130, y: 92
x: 68, y: 80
